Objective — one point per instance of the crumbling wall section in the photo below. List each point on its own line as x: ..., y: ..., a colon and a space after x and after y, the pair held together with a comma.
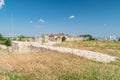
x: 25, y: 47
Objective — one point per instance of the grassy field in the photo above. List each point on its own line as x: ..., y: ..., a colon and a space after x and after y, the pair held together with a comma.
x: 112, y: 48
x: 52, y: 65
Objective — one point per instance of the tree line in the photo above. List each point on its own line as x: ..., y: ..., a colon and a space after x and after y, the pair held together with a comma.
x: 87, y: 37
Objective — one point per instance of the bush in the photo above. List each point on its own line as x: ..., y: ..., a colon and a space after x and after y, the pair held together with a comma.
x: 7, y: 42
x: 88, y: 37
x: 1, y: 37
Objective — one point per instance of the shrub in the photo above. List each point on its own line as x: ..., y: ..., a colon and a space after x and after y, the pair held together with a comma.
x: 88, y: 37
x: 7, y: 42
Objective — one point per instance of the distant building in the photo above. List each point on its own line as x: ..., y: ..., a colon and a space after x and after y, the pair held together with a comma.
x: 59, y: 38
x: 112, y: 38
x: 54, y: 37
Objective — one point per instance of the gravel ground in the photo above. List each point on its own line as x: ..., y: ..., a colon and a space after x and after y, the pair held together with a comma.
x: 83, y: 53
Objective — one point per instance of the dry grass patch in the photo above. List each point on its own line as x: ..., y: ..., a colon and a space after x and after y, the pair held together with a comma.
x: 34, y: 64
x: 112, y: 48
x: 52, y: 65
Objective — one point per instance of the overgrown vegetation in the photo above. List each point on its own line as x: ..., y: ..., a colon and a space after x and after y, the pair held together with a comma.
x: 87, y: 37
x: 51, y: 65
x: 24, y: 38
x: 5, y: 41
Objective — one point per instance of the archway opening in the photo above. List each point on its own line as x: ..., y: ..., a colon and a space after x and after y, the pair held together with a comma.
x: 63, y: 39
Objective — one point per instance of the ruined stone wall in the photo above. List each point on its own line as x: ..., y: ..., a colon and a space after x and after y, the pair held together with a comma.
x: 75, y: 39
x: 20, y: 47
x: 25, y: 47
x: 2, y: 47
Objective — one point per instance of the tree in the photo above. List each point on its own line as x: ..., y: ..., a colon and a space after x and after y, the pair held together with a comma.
x: 119, y: 39
x: 88, y: 37
x: 21, y: 37
x: 7, y: 42
x: 1, y: 36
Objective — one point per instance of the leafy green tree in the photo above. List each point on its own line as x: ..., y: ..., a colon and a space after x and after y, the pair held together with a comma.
x: 7, y: 42
x: 21, y: 37
x: 88, y: 37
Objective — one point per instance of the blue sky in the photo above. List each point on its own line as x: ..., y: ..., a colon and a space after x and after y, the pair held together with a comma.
x: 35, y: 17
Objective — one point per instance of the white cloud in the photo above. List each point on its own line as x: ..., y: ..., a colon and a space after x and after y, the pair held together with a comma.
x: 71, y: 17
x: 31, y: 22
x: 1, y: 3
x: 41, y: 21
x: 105, y: 24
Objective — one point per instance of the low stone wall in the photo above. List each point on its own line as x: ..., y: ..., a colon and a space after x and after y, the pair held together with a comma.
x: 28, y: 47
x: 25, y: 47
x: 20, y: 46
x: 5, y: 48
x: 2, y: 47
x: 75, y: 39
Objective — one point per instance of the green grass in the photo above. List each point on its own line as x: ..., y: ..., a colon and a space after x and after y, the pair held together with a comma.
x: 52, y: 65
x: 4, y: 76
